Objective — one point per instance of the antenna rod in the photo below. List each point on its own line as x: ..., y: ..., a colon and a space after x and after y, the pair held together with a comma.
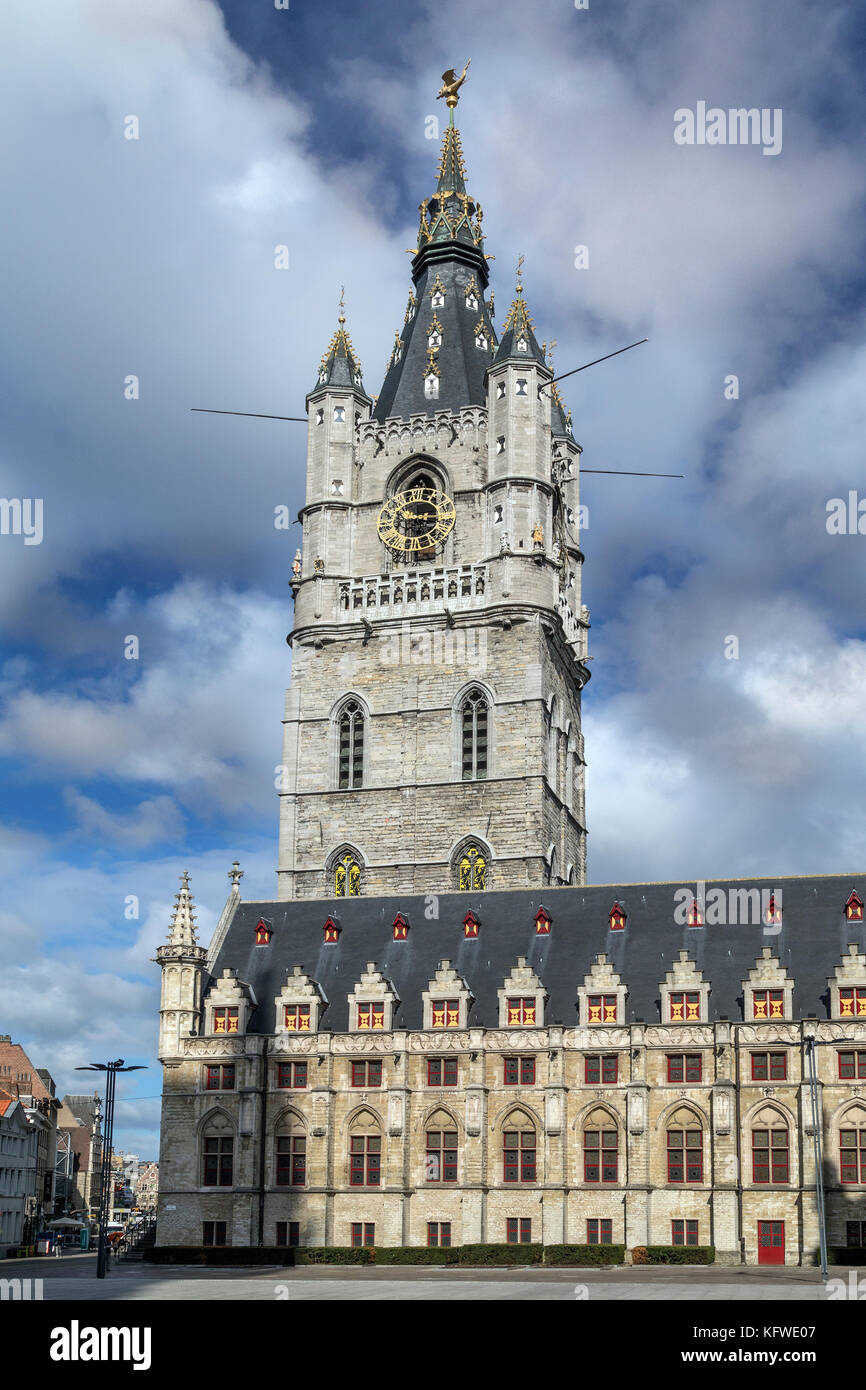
x: 592, y: 364
x: 252, y: 414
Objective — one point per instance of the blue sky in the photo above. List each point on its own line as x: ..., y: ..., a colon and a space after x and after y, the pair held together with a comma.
x: 307, y: 127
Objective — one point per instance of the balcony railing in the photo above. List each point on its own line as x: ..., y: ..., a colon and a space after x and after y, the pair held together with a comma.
x: 415, y: 591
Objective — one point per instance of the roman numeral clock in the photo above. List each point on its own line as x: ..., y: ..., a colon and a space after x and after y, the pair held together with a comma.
x: 414, y: 523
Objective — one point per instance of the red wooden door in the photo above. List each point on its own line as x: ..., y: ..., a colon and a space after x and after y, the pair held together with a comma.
x: 771, y: 1242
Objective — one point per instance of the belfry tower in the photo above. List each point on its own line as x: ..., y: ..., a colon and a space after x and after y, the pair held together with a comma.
x: 432, y: 727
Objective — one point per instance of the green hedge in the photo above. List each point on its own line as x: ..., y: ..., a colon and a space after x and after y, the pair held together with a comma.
x: 219, y: 1255
x: 584, y: 1254
x: 499, y: 1254
x: 416, y: 1255
x: 680, y: 1254
x: 333, y: 1255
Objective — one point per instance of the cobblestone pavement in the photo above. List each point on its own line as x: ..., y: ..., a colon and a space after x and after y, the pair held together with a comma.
x: 75, y: 1280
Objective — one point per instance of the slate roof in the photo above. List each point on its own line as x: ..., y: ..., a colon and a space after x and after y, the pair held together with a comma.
x: 814, y: 936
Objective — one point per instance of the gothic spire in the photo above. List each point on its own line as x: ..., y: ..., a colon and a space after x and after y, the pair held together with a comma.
x: 518, y: 338
x: 340, y: 365
x: 182, y: 931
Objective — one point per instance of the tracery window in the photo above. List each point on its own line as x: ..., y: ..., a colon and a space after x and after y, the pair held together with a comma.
x: 351, y: 747
x: 518, y: 1153
x: 474, y: 736
x: 473, y: 870
x: 770, y: 1154
x: 347, y: 877
x: 685, y: 1155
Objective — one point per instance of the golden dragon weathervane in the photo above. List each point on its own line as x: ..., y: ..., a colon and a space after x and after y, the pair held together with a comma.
x: 451, y: 85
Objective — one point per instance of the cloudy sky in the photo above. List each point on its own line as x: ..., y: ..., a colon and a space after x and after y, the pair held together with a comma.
x: 154, y: 257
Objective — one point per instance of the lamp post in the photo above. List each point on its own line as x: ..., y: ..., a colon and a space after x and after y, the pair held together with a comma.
x: 811, y: 1042
x: 111, y: 1069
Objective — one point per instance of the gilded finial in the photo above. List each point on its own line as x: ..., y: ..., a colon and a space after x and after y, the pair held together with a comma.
x: 342, y: 317
x: 520, y: 261
x: 451, y: 85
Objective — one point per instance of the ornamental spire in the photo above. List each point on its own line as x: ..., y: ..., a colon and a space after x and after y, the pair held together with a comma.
x: 518, y: 338
x: 340, y: 365
x: 182, y: 930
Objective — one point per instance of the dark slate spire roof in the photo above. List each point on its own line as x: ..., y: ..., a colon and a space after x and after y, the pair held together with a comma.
x: 518, y: 327
x: 340, y: 365
x: 449, y: 262
x: 813, y: 938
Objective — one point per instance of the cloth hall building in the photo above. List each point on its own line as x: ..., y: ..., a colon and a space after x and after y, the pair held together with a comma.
x: 438, y: 1033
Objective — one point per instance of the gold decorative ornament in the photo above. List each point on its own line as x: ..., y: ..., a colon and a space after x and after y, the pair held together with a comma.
x: 416, y: 520
x: 451, y: 85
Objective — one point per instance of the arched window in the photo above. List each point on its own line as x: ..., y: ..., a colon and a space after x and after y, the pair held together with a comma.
x: 600, y: 1148
x: 290, y: 1157
x: 852, y: 1147
x: 472, y: 870
x: 474, y: 736
x: 685, y: 1148
x: 347, y: 876
x: 770, y: 1148
x: 365, y: 1153
x: 217, y: 1152
x: 351, y: 751
x: 441, y: 1149
x: 518, y: 1150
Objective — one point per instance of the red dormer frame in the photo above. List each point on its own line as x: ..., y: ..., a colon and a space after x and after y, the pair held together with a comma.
x: 331, y: 931
x: 543, y: 922
x: 854, y: 907
x: 773, y: 915
x: 401, y: 927
x: 471, y: 924
x: 617, y: 918
x: 264, y: 932
x: 695, y: 917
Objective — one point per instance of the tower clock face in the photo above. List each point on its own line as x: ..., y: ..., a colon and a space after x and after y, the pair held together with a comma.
x: 414, y: 522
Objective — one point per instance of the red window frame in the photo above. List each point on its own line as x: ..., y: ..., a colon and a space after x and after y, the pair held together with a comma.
x: 519, y: 1071
x: 363, y: 1233
x: 521, y: 1011
x: 217, y: 1161
x: 684, y: 1066
x: 297, y: 1018
x: 367, y: 1073
x: 291, y: 1076
x: 855, y: 999
x: 685, y: 1155
x: 852, y: 1155
x: 225, y: 1020
x: 442, y: 1071
x: 291, y: 1160
x: 685, y: 1006
x: 852, y: 1065
x: 601, y: 1155
x: 371, y: 1017
x: 220, y: 1078
x: 601, y: 1069
x: 441, y: 1162
x: 365, y: 1160
x: 770, y: 1156
x: 768, y: 1003
x: 599, y: 1231
x: 518, y: 1155
x: 288, y: 1233
x: 684, y: 1232
x: 769, y: 1066
x: 601, y: 1008
x: 438, y: 1233
x: 445, y: 1013
x: 518, y: 1230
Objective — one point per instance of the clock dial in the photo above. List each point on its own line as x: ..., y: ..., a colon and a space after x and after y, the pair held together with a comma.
x: 416, y: 521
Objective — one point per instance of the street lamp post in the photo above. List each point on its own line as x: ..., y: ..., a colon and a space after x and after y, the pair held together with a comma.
x: 111, y: 1069
x: 811, y: 1043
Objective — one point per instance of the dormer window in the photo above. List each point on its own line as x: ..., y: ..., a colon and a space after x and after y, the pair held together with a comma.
x: 339, y: 414
x: 543, y: 920
x: 434, y: 339
x: 431, y: 387
x: 500, y: 390
x: 357, y: 378
x: 297, y: 1018
x: 225, y: 1020
x: 520, y: 386
x: 437, y: 299
x: 401, y: 927
x: 768, y: 1003
x: 521, y: 1011
x: 617, y: 918
x: 331, y: 932
x: 445, y: 1013
x: 773, y: 915
x: 521, y: 345
x: 263, y: 932
x: 852, y: 1003
x: 480, y: 340
x: 323, y: 377
x: 854, y: 907
x: 371, y: 1016
x: 695, y: 917
x: 471, y: 301
x: 601, y: 1008
x: 471, y: 924
x: 685, y: 1007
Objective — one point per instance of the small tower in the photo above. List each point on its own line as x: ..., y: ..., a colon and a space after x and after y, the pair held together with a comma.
x: 182, y: 961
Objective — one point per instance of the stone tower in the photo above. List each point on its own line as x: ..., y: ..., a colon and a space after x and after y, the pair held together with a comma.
x: 182, y: 961
x: 432, y: 727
